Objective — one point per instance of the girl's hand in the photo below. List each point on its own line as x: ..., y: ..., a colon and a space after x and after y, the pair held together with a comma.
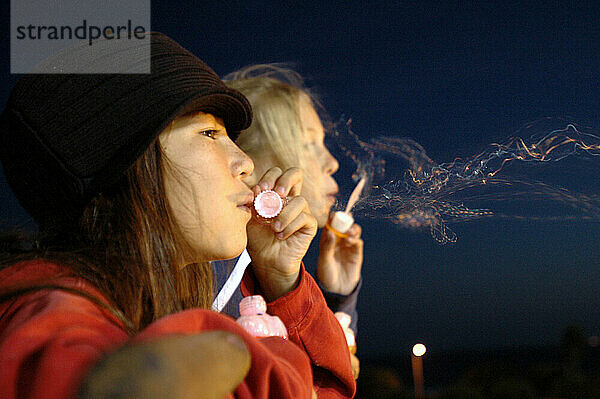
x: 277, y: 248
x: 340, y: 260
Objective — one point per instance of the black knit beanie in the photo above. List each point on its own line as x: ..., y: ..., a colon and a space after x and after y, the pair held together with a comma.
x: 64, y: 138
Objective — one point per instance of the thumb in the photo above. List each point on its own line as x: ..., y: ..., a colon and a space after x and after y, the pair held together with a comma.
x: 327, y: 243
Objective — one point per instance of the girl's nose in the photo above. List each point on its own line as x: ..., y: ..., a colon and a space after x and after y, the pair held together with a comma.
x: 242, y: 164
x: 331, y: 164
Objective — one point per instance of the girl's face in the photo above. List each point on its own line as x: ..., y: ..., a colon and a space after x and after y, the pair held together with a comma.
x: 204, y: 172
x: 319, y: 188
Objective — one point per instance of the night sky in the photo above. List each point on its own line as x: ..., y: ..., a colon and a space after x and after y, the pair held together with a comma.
x: 454, y: 78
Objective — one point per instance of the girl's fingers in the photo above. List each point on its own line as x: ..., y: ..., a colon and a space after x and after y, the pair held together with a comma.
x: 294, y: 207
x: 267, y: 182
x: 328, y: 240
x: 352, y: 242
x: 304, y: 221
x: 353, y: 238
x: 290, y: 182
x: 293, y: 217
x: 354, y: 231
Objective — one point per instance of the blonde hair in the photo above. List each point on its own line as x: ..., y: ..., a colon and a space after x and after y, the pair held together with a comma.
x: 276, y: 93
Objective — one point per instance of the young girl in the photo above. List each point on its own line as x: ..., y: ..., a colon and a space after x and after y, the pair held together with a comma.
x: 286, y: 131
x: 135, y: 184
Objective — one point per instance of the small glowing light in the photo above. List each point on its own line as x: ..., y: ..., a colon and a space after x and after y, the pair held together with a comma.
x: 419, y: 350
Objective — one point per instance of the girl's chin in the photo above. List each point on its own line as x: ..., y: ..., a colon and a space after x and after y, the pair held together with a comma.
x: 229, y: 252
x: 322, y: 220
x: 237, y: 250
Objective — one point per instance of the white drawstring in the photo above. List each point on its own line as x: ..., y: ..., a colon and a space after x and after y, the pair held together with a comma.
x: 233, y: 281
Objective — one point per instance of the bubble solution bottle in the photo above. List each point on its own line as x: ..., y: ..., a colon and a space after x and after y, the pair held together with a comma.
x: 341, y: 221
x: 256, y: 321
x: 345, y: 320
x: 268, y: 205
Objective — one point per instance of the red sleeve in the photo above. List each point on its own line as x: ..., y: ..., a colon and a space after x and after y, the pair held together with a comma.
x: 314, y: 328
x: 50, y: 339
x: 279, y: 368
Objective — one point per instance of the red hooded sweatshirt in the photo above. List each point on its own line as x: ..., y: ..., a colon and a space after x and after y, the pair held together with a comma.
x: 49, y: 339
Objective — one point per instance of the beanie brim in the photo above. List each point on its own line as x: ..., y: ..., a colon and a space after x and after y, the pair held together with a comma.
x: 226, y: 104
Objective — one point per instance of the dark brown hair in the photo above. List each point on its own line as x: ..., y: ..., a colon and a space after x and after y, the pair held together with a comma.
x: 126, y: 243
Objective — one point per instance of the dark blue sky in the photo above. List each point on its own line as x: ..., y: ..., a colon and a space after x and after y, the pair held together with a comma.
x: 454, y: 78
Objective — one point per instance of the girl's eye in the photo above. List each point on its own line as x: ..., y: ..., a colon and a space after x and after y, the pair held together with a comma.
x: 210, y: 133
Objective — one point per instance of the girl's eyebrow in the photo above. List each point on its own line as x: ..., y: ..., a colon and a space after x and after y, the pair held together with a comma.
x: 204, y: 122
x: 197, y: 125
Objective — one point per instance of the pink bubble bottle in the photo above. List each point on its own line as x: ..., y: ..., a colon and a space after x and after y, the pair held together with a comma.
x: 257, y: 322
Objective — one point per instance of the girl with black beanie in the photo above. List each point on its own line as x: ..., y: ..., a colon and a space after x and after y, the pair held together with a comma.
x: 136, y: 184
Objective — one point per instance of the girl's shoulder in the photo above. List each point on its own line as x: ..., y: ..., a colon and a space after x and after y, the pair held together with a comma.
x: 51, y: 284
x: 30, y: 271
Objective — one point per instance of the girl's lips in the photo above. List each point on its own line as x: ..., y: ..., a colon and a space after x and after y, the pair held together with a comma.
x: 246, y: 203
x: 245, y: 208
